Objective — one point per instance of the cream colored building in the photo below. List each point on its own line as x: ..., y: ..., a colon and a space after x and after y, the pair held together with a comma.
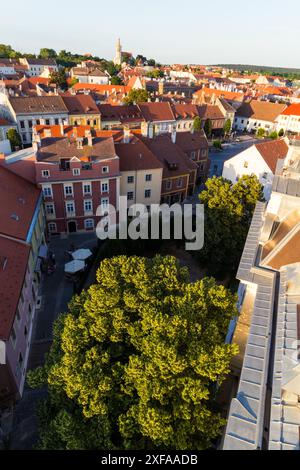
x: 141, y: 172
x: 137, y: 184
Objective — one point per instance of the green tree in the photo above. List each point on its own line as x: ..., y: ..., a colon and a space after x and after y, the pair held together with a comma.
x: 135, y: 361
x: 116, y: 80
x: 197, y: 124
x: 208, y: 128
x: 14, y: 138
x: 73, y: 82
x: 6, y: 51
x: 155, y: 74
x: 273, y: 135
x: 260, y: 132
x: 228, y: 212
x: 136, y: 96
x: 217, y: 144
x: 281, y: 133
x: 59, y: 79
x: 46, y: 53
x: 227, y: 127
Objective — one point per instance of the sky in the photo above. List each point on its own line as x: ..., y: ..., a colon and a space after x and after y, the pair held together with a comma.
x: 257, y: 32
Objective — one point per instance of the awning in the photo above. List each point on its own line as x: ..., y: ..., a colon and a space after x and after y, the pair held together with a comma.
x: 43, y: 251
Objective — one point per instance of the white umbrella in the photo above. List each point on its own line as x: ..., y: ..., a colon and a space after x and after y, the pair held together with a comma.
x: 74, y: 266
x: 82, y: 254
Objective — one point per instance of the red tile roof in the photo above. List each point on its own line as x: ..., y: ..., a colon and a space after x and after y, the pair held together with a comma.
x: 293, y: 110
x: 229, y: 95
x: 136, y: 156
x: 262, y: 110
x: 80, y: 104
x: 101, y: 88
x: 21, y: 198
x: 124, y: 114
x: 170, y: 155
x: 156, y: 112
x: 272, y: 151
x: 25, y: 167
x: 13, y: 265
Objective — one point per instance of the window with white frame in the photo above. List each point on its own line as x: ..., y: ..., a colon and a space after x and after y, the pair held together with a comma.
x: 89, y: 224
x: 147, y: 193
x: 45, y: 173
x: 105, y: 169
x: 52, y: 227
x: 68, y: 190
x: 47, y: 191
x: 88, y: 206
x: 130, y: 179
x: 104, y: 202
x: 76, y: 171
x: 104, y: 187
x: 70, y: 208
x: 49, y: 209
x: 87, y: 188
x: 148, y: 177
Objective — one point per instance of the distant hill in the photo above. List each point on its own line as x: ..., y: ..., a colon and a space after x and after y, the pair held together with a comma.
x: 261, y: 69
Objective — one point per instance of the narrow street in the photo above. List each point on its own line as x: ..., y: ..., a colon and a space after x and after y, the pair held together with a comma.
x: 55, y: 293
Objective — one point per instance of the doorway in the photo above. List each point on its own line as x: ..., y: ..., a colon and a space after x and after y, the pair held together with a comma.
x: 72, y: 228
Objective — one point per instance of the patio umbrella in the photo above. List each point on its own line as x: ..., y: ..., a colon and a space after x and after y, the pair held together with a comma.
x: 82, y: 254
x: 74, y: 266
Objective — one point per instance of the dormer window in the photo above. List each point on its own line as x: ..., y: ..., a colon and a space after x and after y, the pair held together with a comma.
x: 45, y: 173
x: 105, y: 169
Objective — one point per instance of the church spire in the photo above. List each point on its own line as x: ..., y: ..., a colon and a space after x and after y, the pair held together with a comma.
x: 118, y: 57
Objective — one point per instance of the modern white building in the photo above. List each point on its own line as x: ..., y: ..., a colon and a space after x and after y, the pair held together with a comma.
x: 261, y: 160
x: 90, y: 75
x: 36, y: 67
x: 265, y: 413
x: 289, y: 119
x: 255, y: 115
x: 30, y: 111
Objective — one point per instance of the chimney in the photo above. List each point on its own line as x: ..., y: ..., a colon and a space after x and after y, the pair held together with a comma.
x: 173, y: 135
x: 126, y: 136
x: 144, y: 129
x: 62, y: 129
x: 89, y: 137
x: 79, y: 141
x: 151, y: 131
x: 161, y: 88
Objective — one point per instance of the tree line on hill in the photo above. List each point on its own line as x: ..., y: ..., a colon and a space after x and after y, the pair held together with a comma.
x: 284, y: 72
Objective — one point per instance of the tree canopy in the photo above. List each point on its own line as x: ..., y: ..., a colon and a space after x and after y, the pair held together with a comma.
x: 136, y: 359
x: 59, y: 78
x: 208, y: 128
x: 227, y: 127
x: 228, y: 212
x: 197, y: 124
x: 46, y: 53
x: 136, y: 96
x: 14, y: 138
